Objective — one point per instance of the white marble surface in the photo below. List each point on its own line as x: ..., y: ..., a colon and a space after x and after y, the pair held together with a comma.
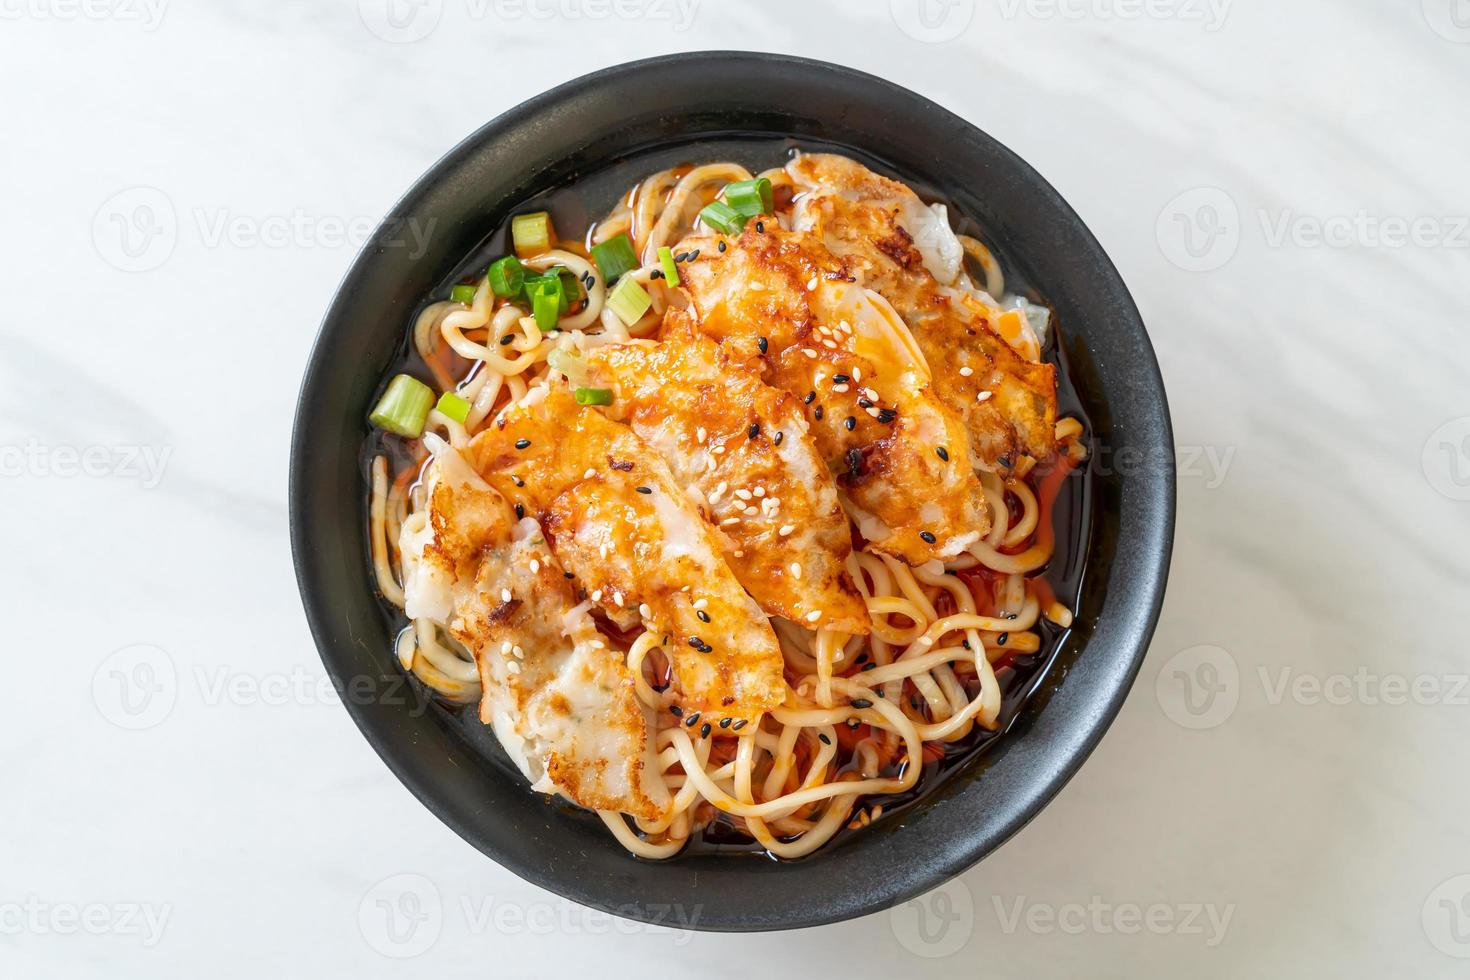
x: 1318, y: 389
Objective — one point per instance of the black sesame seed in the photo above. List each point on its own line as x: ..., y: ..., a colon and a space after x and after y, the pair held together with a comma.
x: 966, y: 644
x: 942, y: 453
x: 704, y: 730
x: 818, y: 413
x: 703, y: 616
x: 656, y: 274
x: 881, y: 693
x: 824, y: 737
x: 755, y: 430
x: 520, y: 511
x: 914, y: 702
x: 518, y: 481
x: 779, y: 436
x: 864, y: 403
x: 725, y: 722
x: 1000, y: 641
x: 740, y: 723
x: 693, y: 255
x: 681, y: 256
x: 692, y: 720
x: 886, y: 415
x: 811, y: 396
x: 507, y: 339
x: 927, y: 536
x: 675, y: 710
x: 855, y: 461
x: 861, y: 703
x: 760, y: 227
x: 523, y: 443
x: 722, y: 246
x: 869, y: 666
x: 850, y: 422
x: 645, y: 490
x: 763, y: 344
x: 696, y: 642
x: 840, y: 379
x: 568, y: 575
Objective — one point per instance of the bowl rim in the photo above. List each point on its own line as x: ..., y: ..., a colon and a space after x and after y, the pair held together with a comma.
x: 1156, y: 488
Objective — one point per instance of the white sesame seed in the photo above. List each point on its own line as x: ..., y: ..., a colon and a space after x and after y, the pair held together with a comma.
x: 597, y: 645
x: 839, y: 387
x: 505, y: 648
x: 513, y: 667
x: 589, y: 474
x: 786, y: 529
x: 718, y: 449
x: 872, y: 395
x: 795, y: 570
x: 809, y: 352
x: 874, y: 412
x: 814, y: 615
x: 729, y: 520
x: 739, y: 554
x: 618, y: 599
x: 596, y: 595
x: 751, y: 511
x: 983, y: 396
x: 535, y: 566
x: 844, y: 326
x: 760, y: 491
x: 519, y: 653
x: 701, y: 434
x: 700, y: 603
x: 857, y: 374
x: 743, y: 493
x: 827, y: 344
x: 965, y: 372
x: 644, y: 611
x: 811, y: 284
x: 505, y: 595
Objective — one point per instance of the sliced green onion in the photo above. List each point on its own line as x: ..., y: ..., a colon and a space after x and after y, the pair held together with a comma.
x: 507, y: 276
x: 453, y: 405
x: 531, y: 233
x: 723, y: 218
x: 568, y: 362
x: 629, y: 301
x: 462, y: 294
x: 670, y: 267
x: 403, y: 407
x: 750, y: 197
x: 593, y: 396
x: 569, y: 291
x: 614, y: 257
x: 546, y: 300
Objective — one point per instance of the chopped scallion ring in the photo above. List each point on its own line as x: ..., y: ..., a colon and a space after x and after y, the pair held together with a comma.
x: 722, y: 218
x: 453, y: 405
x: 506, y: 276
x: 629, y: 301
x: 404, y: 406
x: 614, y: 257
x: 593, y: 396
x: 667, y: 263
x: 531, y: 233
x: 569, y: 363
x: 546, y: 303
x: 462, y: 294
x: 750, y: 197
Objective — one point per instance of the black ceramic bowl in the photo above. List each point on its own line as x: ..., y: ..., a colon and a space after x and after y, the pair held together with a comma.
x: 676, y: 107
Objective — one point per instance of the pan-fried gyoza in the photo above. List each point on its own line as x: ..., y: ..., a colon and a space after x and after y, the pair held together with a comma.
x: 729, y: 514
